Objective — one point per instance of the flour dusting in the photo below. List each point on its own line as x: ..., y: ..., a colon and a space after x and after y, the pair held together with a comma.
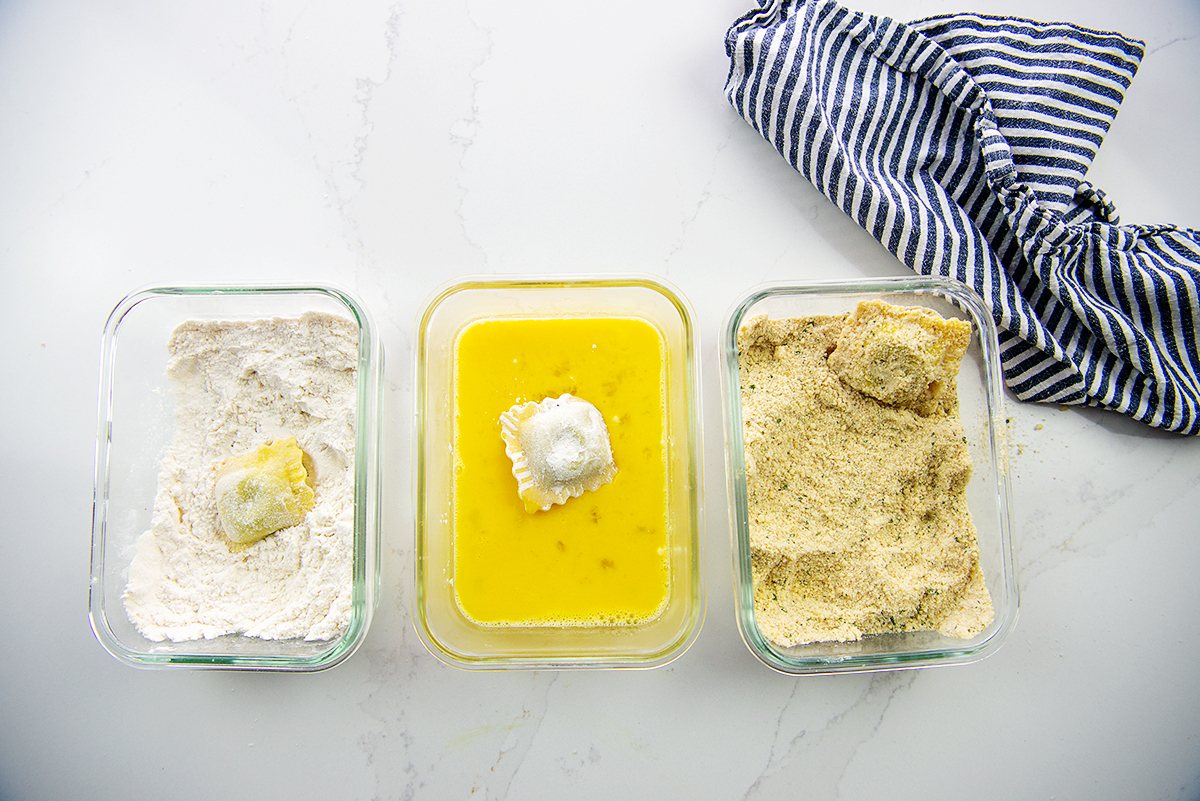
x: 236, y: 386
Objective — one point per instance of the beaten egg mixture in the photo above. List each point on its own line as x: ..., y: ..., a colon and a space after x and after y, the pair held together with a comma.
x: 597, y: 559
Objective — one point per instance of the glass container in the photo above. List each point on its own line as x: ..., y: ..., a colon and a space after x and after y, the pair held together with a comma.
x: 137, y: 422
x: 981, y: 406
x: 455, y: 637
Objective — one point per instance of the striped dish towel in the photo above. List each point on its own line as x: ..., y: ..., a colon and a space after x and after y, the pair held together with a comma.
x: 961, y: 144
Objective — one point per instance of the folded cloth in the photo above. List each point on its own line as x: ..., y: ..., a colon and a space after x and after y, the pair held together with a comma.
x: 961, y: 144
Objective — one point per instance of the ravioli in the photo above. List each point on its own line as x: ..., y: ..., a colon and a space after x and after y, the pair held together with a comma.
x: 559, y: 448
x: 903, y: 356
x: 262, y: 491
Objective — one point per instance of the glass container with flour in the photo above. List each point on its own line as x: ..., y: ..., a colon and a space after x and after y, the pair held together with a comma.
x: 235, y: 521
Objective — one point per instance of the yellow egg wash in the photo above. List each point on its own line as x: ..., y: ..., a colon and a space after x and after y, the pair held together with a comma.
x: 598, y: 559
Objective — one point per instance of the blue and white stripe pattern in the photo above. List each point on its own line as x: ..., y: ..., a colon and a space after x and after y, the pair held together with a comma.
x: 961, y: 144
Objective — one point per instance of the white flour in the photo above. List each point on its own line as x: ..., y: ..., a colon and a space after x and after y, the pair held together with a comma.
x: 237, y: 385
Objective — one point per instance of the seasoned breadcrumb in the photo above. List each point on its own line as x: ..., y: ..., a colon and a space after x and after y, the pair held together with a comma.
x: 858, y: 516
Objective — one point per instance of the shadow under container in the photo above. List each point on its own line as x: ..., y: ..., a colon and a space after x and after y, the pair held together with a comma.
x: 136, y: 426
x: 981, y: 407
x: 446, y: 631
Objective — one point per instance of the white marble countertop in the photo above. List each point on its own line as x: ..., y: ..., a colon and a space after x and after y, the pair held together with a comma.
x: 388, y: 146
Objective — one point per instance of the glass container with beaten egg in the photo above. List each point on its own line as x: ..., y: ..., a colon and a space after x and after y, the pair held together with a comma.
x: 578, y: 555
